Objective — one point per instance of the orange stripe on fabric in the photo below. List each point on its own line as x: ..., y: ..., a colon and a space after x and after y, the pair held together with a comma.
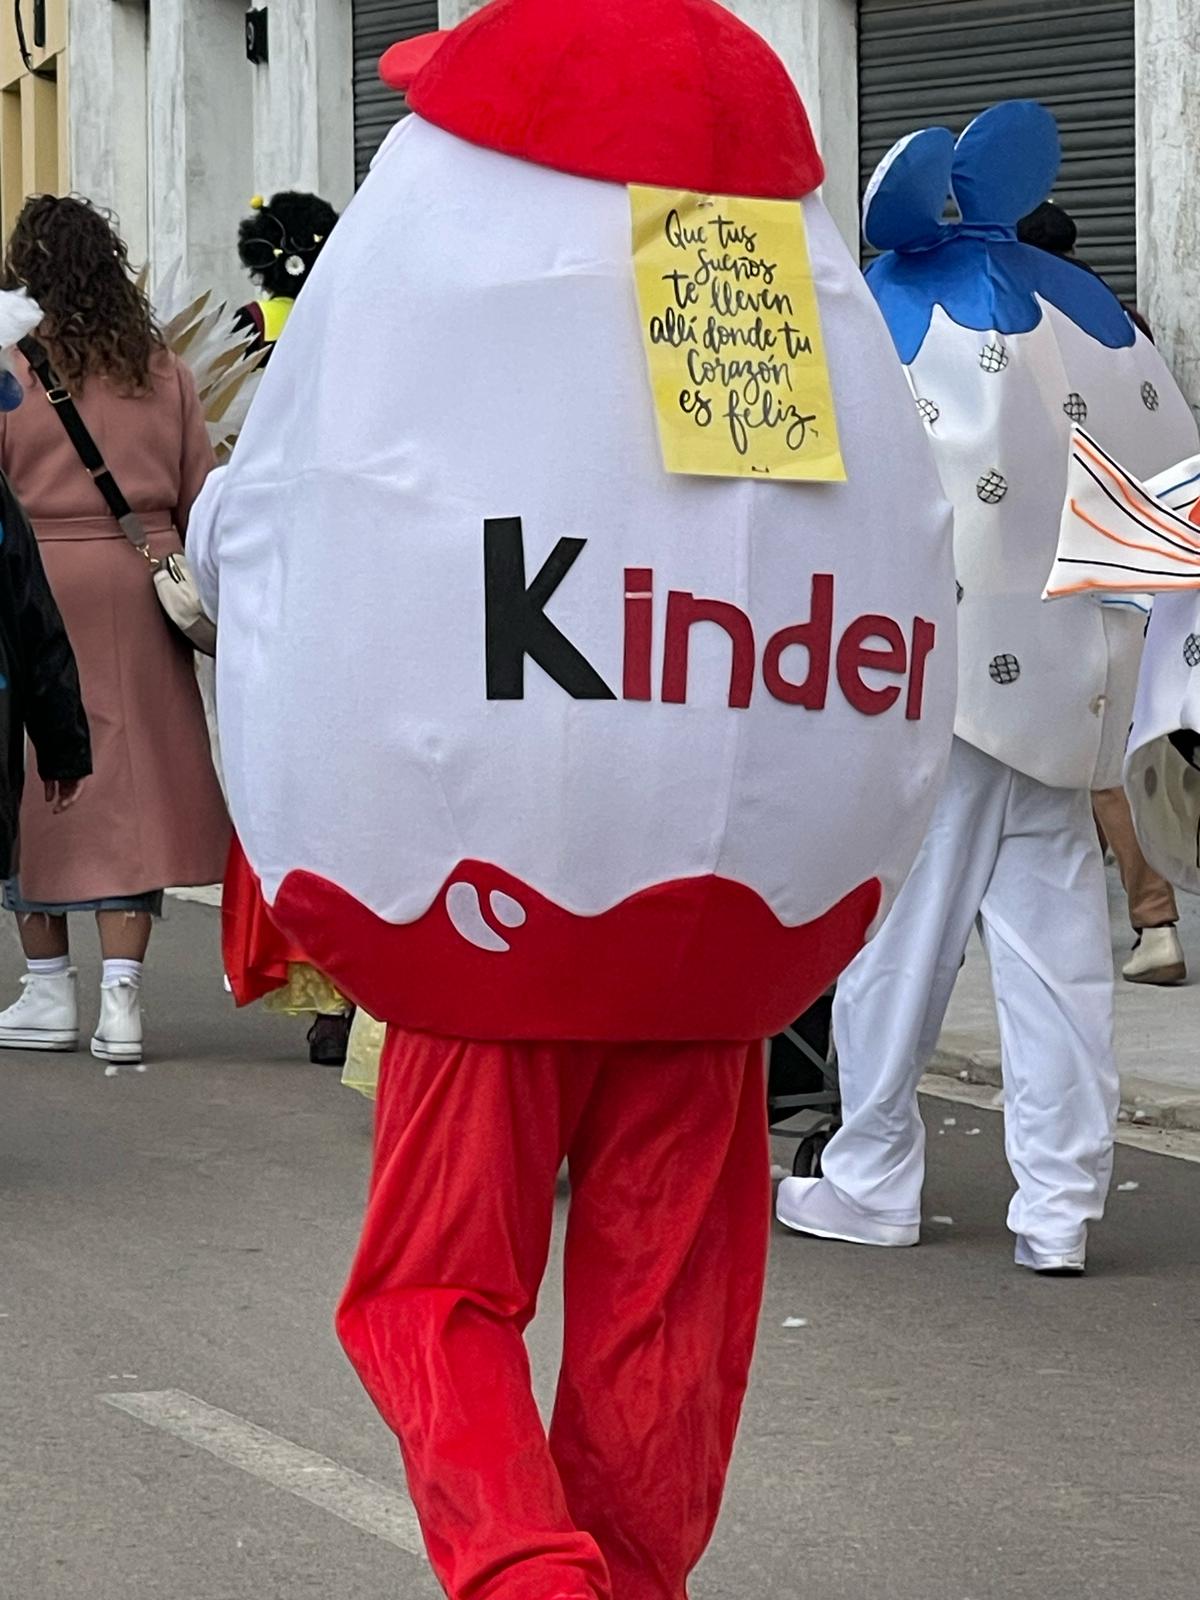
x: 1130, y: 544
x: 1176, y: 527
x: 1108, y: 588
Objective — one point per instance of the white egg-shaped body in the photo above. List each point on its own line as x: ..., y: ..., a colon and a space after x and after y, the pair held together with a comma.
x: 525, y: 736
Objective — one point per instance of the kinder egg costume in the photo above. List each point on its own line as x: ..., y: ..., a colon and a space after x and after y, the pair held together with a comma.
x: 1005, y: 348
x: 622, y: 765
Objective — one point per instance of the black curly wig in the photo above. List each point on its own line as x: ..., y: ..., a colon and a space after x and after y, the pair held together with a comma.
x: 280, y: 241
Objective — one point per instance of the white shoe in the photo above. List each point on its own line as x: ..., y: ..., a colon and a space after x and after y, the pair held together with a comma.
x: 118, y: 1036
x: 814, y: 1206
x: 1056, y: 1263
x: 46, y: 1017
x: 1157, y: 958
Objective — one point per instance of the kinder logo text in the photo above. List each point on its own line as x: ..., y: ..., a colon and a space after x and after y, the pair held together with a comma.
x: 518, y: 627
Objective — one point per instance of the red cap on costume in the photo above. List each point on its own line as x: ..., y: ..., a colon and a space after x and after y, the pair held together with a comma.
x: 676, y: 93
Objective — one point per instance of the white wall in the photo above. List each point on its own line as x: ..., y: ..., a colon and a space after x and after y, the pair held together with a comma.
x: 201, y: 142
x: 818, y: 40
x: 221, y: 129
x: 303, y: 103
x: 107, y: 149
x: 1168, y: 202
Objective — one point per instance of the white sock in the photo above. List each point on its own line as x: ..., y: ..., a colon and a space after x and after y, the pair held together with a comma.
x: 118, y: 972
x: 49, y: 967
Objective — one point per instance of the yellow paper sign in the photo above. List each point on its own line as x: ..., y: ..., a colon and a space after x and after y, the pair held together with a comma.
x: 733, y: 336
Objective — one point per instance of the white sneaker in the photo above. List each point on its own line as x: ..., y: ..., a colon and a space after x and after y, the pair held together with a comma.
x: 1157, y: 958
x: 118, y: 1036
x: 1056, y: 1263
x: 46, y: 1017
x: 814, y: 1206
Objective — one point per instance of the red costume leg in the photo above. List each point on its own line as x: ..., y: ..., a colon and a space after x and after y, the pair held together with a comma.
x: 665, y: 1263
x: 469, y: 1140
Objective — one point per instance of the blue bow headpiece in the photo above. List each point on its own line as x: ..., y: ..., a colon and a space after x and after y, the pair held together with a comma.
x: 1003, y: 166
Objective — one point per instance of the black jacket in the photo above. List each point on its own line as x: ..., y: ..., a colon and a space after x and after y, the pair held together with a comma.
x: 39, y: 682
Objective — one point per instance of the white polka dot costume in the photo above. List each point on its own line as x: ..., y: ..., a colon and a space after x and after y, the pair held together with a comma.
x: 1006, y: 348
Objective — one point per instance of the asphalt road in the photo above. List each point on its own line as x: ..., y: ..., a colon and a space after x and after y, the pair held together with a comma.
x: 935, y: 1425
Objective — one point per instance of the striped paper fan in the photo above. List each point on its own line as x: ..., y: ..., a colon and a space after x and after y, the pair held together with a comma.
x: 1119, y: 536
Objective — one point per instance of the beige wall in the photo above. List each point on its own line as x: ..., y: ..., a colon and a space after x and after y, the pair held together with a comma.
x: 33, y: 110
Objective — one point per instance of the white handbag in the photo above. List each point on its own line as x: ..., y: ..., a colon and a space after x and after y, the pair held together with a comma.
x: 180, y: 599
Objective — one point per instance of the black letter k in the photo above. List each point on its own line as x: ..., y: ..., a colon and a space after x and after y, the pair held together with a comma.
x: 517, y: 624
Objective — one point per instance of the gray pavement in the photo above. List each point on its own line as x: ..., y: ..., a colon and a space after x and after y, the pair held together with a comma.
x: 1158, y: 1030
x: 924, y: 1425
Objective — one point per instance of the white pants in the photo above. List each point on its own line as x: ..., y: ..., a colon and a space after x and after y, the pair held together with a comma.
x: 1024, y: 862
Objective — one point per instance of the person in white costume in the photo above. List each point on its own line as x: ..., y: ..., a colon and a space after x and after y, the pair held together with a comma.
x: 1157, y: 956
x: 1005, y: 347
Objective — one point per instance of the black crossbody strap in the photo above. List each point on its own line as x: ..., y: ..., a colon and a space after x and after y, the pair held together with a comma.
x: 86, y: 447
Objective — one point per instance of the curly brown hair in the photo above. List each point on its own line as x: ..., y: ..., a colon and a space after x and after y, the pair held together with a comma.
x: 98, y: 321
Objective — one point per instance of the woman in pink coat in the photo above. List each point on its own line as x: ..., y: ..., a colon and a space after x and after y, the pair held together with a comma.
x: 153, y: 814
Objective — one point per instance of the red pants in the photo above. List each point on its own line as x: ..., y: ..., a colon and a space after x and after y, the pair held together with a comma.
x: 664, y: 1265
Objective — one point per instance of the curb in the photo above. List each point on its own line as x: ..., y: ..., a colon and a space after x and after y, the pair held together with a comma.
x: 208, y: 896
x: 1144, y: 1102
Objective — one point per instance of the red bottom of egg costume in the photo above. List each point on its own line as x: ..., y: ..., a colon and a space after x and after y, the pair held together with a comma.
x: 665, y: 1254
x: 261, y: 962
x: 257, y: 955
x: 628, y: 762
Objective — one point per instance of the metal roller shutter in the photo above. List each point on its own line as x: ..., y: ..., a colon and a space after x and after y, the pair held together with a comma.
x: 378, y: 24
x: 944, y: 61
